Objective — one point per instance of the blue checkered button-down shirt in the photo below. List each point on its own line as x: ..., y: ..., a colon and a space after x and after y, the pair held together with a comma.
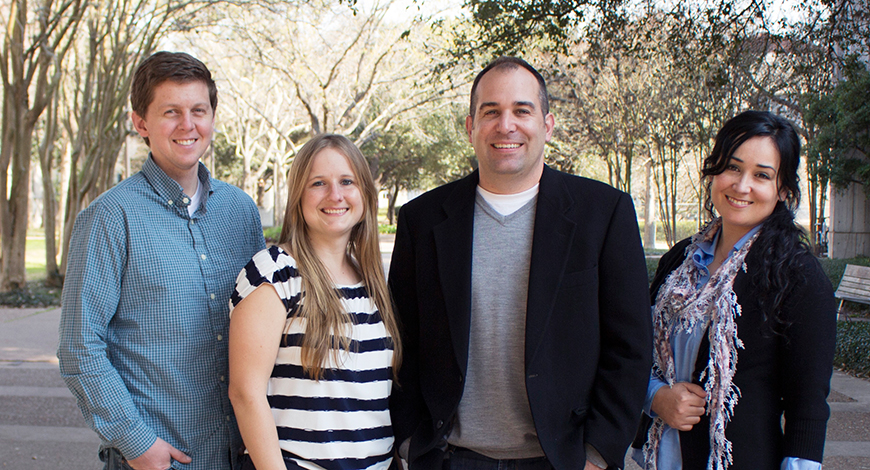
x: 143, y: 335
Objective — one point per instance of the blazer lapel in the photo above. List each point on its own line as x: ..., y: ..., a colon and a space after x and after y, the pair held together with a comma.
x: 453, y: 241
x: 551, y: 243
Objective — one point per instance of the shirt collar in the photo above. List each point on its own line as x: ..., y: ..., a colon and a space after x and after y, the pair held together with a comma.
x: 169, y: 189
x: 703, y: 256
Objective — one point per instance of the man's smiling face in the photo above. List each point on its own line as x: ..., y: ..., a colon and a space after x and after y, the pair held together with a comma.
x: 178, y: 124
x: 508, y: 130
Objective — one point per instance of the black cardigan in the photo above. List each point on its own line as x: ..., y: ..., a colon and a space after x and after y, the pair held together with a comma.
x: 778, y: 375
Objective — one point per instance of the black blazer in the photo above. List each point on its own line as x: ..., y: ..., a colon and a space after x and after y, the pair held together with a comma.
x: 588, y: 330
x: 779, y: 375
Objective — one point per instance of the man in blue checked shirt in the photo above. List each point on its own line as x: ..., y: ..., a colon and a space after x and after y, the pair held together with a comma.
x: 143, y: 335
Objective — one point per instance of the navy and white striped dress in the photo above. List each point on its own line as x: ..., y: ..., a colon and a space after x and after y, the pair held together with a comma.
x: 341, y: 422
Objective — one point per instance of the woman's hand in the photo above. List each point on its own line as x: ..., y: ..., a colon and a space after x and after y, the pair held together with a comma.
x: 680, y: 406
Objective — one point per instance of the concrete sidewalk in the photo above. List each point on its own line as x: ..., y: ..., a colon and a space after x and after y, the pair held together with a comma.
x: 42, y: 429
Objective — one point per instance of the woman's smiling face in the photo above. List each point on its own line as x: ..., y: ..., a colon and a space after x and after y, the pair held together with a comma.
x: 331, y: 202
x: 746, y: 193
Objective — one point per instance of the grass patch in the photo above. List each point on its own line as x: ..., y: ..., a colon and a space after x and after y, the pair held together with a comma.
x: 34, y: 258
x: 386, y: 228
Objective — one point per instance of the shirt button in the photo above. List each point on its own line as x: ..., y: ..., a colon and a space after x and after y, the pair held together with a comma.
x: 191, y: 222
x: 212, y: 296
x: 186, y: 200
x: 223, y: 379
x: 220, y: 337
x: 170, y: 202
x: 228, y: 417
x: 202, y: 256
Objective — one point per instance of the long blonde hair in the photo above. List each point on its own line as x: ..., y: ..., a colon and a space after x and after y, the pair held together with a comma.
x: 326, y: 320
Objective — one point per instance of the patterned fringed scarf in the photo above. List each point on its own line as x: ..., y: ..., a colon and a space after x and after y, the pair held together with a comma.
x: 679, y: 307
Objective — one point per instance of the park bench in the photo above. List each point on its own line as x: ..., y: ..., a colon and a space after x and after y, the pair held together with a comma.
x: 854, y: 287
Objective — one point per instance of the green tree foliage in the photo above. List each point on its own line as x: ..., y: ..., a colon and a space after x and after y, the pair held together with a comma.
x: 406, y: 157
x: 517, y: 26
x: 842, y: 123
x: 227, y: 167
x: 511, y: 26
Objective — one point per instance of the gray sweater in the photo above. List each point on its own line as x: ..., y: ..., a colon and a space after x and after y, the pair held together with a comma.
x: 494, y: 417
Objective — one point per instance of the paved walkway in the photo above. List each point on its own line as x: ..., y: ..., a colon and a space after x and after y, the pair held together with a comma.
x: 42, y: 429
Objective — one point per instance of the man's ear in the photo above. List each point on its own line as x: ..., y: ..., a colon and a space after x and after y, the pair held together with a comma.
x: 139, y: 124
x: 549, y: 125
x: 469, y: 125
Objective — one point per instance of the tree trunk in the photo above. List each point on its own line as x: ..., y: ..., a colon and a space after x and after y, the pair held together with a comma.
x: 62, y: 203
x: 649, y: 210
x: 15, y: 209
x: 30, y: 79
x: 71, y: 210
x: 49, y: 213
x: 280, y: 186
x: 391, y: 204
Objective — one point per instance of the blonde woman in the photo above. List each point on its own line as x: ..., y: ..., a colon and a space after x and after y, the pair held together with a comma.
x: 313, y: 340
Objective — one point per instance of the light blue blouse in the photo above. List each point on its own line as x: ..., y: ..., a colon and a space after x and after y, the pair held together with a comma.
x: 685, y: 345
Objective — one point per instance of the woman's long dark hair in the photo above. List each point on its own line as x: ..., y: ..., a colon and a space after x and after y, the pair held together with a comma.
x: 776, y: 264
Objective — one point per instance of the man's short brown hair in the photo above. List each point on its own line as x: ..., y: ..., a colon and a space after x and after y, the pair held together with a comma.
x: 511, y: 63
x: 178, y: 67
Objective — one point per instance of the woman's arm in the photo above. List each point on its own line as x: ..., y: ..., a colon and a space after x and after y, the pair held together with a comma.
x: 806, y: 356
x: 256, y: 328
x: 652, y: 388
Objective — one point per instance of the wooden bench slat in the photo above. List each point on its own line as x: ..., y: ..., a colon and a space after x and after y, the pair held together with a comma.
x: 854, y: 285
x: 858, y: 292
x: 853, y: 295
x: 856, y: 270
x: 857, y: 295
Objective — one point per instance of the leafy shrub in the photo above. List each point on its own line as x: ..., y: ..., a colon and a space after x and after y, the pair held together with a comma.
x: 34, y: 294
x: 853, y: 348
x: 271, y: 235
x: 651, y: 265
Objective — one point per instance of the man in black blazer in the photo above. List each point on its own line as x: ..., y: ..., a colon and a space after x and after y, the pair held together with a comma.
x: 522, y: 293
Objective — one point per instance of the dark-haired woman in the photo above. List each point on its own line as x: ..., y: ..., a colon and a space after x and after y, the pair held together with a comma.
x: 744, y: 320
